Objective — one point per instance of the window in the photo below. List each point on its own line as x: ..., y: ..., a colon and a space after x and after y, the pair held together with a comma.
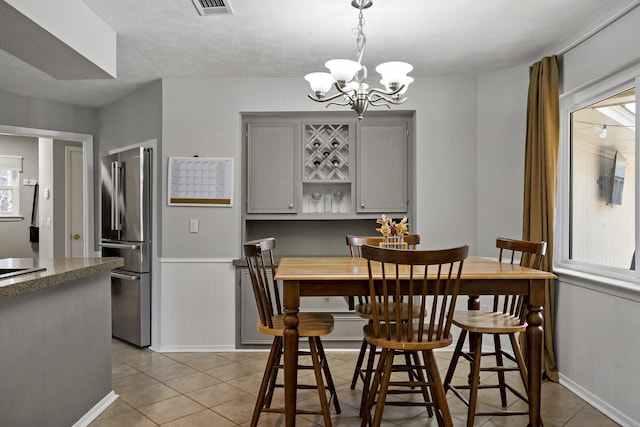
x: 602, y: 217
x: 10, y: 168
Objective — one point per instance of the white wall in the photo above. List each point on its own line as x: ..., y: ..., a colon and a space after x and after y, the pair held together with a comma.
x: 597, y: 317
x: 46, y: 213
x: 502, y: 124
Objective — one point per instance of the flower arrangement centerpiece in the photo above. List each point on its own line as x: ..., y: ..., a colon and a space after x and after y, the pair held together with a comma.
x: 392, y: 231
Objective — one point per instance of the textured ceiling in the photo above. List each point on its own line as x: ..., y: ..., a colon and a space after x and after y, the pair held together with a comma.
x: 289, y: 38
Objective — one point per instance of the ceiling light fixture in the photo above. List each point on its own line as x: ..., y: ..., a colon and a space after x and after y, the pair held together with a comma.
x: 348, y: 77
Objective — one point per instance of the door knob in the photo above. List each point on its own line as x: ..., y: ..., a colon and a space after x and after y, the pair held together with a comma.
x: 76, y: 236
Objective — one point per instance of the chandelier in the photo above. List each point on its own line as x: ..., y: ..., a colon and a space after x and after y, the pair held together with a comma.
x: 348, y: 77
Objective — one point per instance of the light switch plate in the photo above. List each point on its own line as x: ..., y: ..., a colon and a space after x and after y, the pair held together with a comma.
x: 193, y: 225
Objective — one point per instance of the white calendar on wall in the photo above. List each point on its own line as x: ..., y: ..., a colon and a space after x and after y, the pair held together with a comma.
x: 200, y: 181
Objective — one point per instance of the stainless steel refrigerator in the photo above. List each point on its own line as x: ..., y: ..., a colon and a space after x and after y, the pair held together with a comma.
x: 126, y: 233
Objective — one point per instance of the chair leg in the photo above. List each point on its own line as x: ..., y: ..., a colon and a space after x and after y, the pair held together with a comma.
x: 475, y: 381
x: 437, y: 389
x: 317, y: 370
x: 420, y: 377
x: 276, y: 349
x: 357, y: 372
x: 454, y: 360
x: 500, y: 363
x: 366, y: 386
x: 327, y: 374
x: 365, y: 408
x: 520, y: 361
x: 384, y: 385
x: 274, y: 374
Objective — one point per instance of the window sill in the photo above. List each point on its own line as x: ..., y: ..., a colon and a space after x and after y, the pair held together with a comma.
x: 627, y: 288
x: 11, y: 218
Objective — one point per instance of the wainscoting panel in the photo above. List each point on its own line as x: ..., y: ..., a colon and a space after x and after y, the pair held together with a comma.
x: 195, y: 305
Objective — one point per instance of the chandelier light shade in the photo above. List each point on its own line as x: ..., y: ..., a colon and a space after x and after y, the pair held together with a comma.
x: 348, y: 78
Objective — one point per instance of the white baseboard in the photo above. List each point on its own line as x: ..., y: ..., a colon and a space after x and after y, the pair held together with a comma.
x: 194, y: 349
x: 99, y: 408
x: 598, y: 403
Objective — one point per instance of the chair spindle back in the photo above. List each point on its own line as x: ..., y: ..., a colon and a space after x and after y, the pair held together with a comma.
x: 526, y: 254
x: 428, y: 278
x: 262, y: 269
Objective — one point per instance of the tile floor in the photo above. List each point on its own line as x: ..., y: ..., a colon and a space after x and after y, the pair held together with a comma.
x: 218, y: 389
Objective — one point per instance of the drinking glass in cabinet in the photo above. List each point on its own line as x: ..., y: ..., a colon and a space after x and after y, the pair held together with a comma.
x: 338, y: 196
x: 313, y: 202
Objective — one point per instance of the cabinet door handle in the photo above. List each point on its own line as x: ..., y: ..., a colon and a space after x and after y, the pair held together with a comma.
x: 362, y: 205
x: 291, y: 206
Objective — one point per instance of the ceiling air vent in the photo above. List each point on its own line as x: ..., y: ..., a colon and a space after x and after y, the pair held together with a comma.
x: 212, y: 7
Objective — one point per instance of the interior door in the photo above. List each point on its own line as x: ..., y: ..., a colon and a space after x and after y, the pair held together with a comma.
x: 74, y: 203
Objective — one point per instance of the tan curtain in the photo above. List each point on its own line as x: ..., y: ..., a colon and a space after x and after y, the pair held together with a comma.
x: 540, y: 182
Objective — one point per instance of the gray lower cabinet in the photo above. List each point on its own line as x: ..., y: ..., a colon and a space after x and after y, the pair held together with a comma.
x: 347, y: 332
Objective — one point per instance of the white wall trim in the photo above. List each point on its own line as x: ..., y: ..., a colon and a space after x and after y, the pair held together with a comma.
x: 99, y: 408
x: 597, y: 403
x: 194, y: 349
x: 607, y: 285
x: 195, y: 260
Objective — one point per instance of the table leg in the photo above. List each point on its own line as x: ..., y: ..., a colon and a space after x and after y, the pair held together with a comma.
x: 291, y: 340
x: 535, y: 349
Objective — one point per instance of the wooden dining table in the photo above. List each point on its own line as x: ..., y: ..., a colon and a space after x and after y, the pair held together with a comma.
x: 347, y: 276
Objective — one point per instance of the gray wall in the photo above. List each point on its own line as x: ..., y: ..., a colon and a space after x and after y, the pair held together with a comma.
x: 203, y: 116
x: 502, y: 122
x: 37, y: 113
x: 15, y: 234
x: 131, y: 120
x: 55, y: 353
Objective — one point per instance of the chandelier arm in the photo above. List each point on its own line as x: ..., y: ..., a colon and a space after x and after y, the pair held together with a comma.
x: 351, y: 93
x: 386, y: 93
x: 379, y: 104
x: 374, y: 99
x: 332, y: 97
x: 346, y: 104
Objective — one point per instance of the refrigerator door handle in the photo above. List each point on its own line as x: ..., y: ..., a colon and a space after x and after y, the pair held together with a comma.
x: 116, y: 224
x: 125, y: 276
x: 118, y: 246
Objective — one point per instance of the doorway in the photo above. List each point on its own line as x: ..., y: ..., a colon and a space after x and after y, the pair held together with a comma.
x: 86, y: 141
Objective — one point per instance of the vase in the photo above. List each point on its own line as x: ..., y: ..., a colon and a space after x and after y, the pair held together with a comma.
x: 394, y: 241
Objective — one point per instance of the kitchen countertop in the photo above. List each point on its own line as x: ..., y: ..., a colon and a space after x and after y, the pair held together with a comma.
x: 58, y: 271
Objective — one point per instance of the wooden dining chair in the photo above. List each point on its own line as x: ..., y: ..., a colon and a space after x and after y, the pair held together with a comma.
x: 363, y: 310
x: 430, y: 279
x: 260, y: 261
x: 507, y: 317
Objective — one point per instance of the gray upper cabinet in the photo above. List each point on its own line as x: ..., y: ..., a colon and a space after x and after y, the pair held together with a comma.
x: 382, y: 166
x: 272, y: 175
x: 326, y: 167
